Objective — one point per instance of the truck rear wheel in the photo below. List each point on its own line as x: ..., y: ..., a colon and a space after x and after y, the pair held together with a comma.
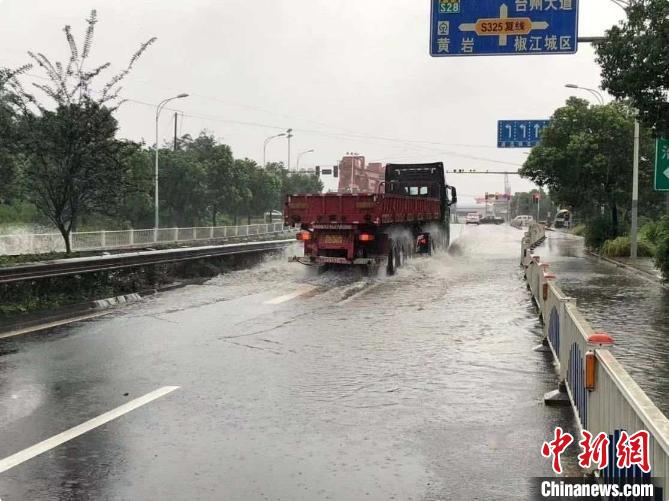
x: 399, y: 257
x: 390, y: 266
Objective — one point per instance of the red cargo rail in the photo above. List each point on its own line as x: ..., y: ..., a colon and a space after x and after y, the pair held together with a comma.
x: 377, y: 209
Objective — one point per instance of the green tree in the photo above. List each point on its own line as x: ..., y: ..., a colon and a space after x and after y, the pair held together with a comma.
x: 265, y: 189
x: 585, y: 160
x: 10, y: 140
x: 137, y: 207
x: 222, y: 190
x: 183, y: 188
x: 635, y: 61
x: 294, y: 182
x: 523, y: 203
x: 75, y: 165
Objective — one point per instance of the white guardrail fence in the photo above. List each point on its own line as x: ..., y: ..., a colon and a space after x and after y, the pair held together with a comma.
x: 611, y: 402
x: 107, y: 240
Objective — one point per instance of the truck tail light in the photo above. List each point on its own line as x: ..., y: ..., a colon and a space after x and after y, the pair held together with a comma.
x: 366, y: 237
x: 304, y: 235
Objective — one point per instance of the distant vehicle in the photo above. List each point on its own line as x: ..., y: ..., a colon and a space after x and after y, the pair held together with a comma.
x: 410, y: 216
x: 473, y: 218
x: 562, y: 219
x: 274, y: 215
x: 522, y: 221
x: 492, y: 220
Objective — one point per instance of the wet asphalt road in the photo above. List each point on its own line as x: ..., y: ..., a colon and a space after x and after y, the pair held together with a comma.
x: 632, y: 308
x: 420, y: 386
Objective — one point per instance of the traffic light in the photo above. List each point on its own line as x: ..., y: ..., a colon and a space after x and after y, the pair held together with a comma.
x: 335, y: 171
x: 318, y: 171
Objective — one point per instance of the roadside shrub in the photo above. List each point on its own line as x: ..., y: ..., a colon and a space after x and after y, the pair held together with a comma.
x: 650, y: 232
x: 597, y: 232
x: 621, y: 246
x: 578, y: 230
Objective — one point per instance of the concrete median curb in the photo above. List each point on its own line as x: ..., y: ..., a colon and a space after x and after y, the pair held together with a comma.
x: 645, y: 274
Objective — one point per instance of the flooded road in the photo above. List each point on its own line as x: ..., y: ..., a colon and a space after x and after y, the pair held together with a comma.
x: 420, y: 386
x: 625, y: 304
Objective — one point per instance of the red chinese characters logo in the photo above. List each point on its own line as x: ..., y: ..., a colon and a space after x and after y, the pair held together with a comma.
x: 556, y: 447
x: 594, y: 450
x: 632, y: 450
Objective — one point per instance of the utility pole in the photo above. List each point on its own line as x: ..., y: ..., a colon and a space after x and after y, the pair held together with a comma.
x: 289, y: 135
x: 635, y: 193
x: 175, y: 131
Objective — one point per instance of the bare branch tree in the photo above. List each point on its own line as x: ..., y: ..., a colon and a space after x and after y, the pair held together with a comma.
x: 71, y: 83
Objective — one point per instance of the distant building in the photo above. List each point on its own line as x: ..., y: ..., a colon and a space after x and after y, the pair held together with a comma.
x: 355, y: 176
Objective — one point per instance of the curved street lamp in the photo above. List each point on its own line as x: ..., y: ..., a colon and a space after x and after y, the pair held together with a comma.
x: 300, y: 156
x: 596, y: 93
x: 264, y: 148
x: 159, y: 108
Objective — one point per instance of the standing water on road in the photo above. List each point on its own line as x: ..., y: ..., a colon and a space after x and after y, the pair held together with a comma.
x: 422, y: 385
x: 625, y: 304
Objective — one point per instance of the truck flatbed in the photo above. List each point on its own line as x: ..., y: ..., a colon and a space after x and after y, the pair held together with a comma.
x: 378, y: 209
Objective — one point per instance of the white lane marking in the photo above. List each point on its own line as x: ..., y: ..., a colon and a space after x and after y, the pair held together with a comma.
x: 299, y: 292
x: 61, y: 438
x: 57, y: 323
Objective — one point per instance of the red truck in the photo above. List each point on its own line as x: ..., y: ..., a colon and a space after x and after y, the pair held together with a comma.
x: 409, y: 214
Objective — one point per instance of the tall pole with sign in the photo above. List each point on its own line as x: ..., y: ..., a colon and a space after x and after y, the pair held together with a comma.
x: 635, y: 194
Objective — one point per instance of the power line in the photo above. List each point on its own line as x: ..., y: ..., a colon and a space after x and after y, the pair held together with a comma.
x: 414, y: 144
x: 215, y: 118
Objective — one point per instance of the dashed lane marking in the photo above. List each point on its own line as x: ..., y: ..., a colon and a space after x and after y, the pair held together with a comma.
x: 61, y: 438
x: 287, y: 297
x: 51, y: 325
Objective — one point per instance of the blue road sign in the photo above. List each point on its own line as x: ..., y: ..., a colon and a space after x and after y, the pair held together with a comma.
x: 519, y: 133
x: 503, y: 27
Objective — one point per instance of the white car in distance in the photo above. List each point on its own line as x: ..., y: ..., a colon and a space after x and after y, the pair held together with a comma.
x: 473, y: 218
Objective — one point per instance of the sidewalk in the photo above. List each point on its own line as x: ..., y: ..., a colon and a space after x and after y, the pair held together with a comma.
x: 646, y: 265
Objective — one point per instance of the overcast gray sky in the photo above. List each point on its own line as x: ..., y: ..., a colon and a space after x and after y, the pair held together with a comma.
x: 342, y: 73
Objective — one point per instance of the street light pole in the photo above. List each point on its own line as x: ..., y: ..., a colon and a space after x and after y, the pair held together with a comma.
x: 596, y: 93
x: 634, y: 230
x: 300, y: 156
x: 635, y: 193
x: 159, y: 108
x: 289, y: 134
x: 264, y: 148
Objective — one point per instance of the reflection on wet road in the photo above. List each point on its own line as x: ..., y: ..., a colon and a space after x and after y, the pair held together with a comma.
x: 628, y: 306
x: 295, y: 386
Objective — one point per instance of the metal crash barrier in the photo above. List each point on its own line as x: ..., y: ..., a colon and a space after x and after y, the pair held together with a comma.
x: 107, y: 240
x: 603, y: 395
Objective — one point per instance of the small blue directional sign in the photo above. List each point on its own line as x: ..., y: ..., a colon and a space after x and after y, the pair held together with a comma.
x: 519, y: 133
x: 503, y: 27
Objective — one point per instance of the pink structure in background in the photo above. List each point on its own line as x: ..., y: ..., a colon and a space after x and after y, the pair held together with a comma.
x: 357, y: 177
